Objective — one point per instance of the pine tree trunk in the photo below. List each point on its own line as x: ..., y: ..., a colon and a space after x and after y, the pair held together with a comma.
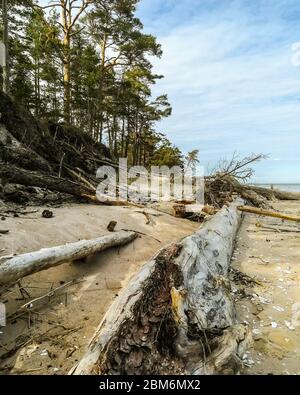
x: 66, y: 64
x: 67, y: 88
x: 5, y: 42
x: 101, y: 97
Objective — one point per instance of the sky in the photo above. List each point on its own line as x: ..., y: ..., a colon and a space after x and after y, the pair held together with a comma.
x: 232, y: 74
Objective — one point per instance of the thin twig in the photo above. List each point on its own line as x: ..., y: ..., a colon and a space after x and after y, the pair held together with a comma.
x: 29, y: 305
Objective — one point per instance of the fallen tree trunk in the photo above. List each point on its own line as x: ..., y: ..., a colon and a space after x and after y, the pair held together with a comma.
x: 222, y: 188
x: 272, y: 194
x: 266, y: 213
x: 283, y: 195
x: 177, y: 315
x: 16, y: 175
x: 20, y: 266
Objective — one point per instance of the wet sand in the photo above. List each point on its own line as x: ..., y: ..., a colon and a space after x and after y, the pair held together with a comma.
x: 273, y: 308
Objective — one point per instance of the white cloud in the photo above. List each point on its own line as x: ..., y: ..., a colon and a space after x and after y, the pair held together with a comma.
x: 229, y: 74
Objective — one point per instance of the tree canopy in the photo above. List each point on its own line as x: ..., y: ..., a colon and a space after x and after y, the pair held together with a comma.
x: 87, y: 63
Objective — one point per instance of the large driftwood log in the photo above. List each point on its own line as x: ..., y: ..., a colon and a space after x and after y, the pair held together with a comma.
x: 272, y: 194
x: 177, y: 315
x: 23, y: 265
x: 221, y: 188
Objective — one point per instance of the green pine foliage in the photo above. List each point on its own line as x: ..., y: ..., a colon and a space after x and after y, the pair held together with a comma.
x: 111, y: 75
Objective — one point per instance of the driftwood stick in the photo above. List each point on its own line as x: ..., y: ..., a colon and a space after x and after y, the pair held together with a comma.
x: 266, y: 213
x: 61, y: 164
x: 277, y: 228
x: 111, y: 226
x: 26, y: 264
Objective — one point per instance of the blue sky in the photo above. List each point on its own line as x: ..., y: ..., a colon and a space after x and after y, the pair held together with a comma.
x: 231, y: 79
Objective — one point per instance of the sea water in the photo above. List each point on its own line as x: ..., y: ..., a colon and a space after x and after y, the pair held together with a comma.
x: 282, y: 187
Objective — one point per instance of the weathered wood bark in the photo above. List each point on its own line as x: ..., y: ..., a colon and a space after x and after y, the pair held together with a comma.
x: 16, y: 175
x: 23, y: 265
x: 177, y: 315
x: 266, y: 213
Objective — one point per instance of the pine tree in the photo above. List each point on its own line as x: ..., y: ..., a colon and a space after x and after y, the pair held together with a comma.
x: 87, y: 63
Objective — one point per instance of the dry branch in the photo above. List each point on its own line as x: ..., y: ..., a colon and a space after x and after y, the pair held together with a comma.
x: 266, y: 213
x: 30, y: 304
x: 239, y: 167
x: 278, y: 229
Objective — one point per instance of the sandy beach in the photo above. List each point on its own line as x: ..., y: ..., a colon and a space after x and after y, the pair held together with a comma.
x: 267, y: 250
